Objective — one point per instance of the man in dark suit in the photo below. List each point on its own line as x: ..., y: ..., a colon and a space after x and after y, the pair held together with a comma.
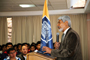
x: 70, y: 47
x: 22, y: 56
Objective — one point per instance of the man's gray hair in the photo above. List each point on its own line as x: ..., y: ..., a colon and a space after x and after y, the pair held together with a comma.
x: 65, y: 18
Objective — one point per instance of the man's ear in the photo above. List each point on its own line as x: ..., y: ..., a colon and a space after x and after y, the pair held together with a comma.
x: 66, y: 22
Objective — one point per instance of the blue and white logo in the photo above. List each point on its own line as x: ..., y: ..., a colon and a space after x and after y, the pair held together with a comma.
x: 46, y: 31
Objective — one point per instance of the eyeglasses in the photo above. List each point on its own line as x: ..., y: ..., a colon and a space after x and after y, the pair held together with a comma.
x: 12, y: 53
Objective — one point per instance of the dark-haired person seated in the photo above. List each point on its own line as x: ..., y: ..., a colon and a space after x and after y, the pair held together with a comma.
x: 0, y: 47
x: 32, y: 48
x: 11, y: 55
x: 0, y: 56
x: 0, y: 51
x: 3, y: 48
x: 15, y: 47
x: 4, y: 55
x: 19, y: 48
x: 33, y: 43
x: 22, y: 56
x: 38, y: 45
x: 28, y: 45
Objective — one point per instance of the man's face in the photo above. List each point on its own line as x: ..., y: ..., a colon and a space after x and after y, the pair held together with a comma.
x: 9, y: 46
x: 61, y: 25
x: 15, y: 48
x: 12, y: 54
x: 4, y: 48
x: 38, y: 46
x: 24, y: 50
x: 32, y: 48
x: 19, y: 47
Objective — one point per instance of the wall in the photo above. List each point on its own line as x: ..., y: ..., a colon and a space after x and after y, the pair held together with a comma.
x: 88, y: 30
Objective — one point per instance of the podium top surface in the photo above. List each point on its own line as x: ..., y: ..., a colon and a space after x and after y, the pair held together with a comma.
x: 40, y: 55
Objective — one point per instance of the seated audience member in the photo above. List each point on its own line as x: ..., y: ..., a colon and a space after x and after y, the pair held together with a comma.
x: 32, y: 48
x: 15, y: 47
x: 19, y: 48
x: 33, y: 43
x: 38, y: 45
x: 11, y: 55
x: 3, y: 48
x: 24, y: 52
x: 0, y: 56
x: 4, y: 55
x: 28, y: 47
x: 26, y: 44
x: 0, y: 49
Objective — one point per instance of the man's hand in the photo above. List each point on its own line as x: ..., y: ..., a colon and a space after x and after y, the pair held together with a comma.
x: 47, y: 49
x: 56, y: 45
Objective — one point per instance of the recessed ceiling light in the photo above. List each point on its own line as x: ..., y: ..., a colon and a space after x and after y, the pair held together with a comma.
x: 78, y: 3
x: 26, y: 5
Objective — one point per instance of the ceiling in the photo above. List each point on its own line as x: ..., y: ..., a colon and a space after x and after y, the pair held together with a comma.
x: 13, y: 5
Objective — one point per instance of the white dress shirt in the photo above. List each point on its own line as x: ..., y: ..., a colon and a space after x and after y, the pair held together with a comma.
x: 66, y: 31
x: 25, y: 57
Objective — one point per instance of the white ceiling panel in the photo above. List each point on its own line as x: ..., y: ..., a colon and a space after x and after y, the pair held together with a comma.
x: 25, y: 9
x: 22, y: 1
x: 59, y: 6
x: 13, y: 5
x: 7, y: 4
x: 37, y: 0
x: 57, y: 1
x: 5, y: 1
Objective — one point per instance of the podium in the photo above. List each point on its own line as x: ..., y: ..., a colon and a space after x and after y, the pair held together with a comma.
x: 38, y: 56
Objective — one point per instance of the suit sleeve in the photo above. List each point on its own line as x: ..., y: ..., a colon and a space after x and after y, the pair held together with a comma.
x: 69, y: 49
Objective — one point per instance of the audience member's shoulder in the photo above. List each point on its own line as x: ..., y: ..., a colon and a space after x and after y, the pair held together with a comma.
x: 19, y: 55
x: 7, y: 58
x: 18, y: 58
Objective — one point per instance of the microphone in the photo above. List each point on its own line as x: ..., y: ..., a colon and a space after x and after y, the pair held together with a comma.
x: 57, y: 37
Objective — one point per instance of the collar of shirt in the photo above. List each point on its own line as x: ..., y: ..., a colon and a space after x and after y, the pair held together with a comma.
x: 25, y: 57
x: 9, y: 58
x: 66, y: 31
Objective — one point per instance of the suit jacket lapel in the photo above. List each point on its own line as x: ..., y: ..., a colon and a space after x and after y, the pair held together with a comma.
x: 22, y: 57
x: 66, y: 35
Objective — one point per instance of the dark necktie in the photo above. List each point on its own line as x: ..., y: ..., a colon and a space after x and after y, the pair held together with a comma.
x: 61, y: 40
x: 62, y: 37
